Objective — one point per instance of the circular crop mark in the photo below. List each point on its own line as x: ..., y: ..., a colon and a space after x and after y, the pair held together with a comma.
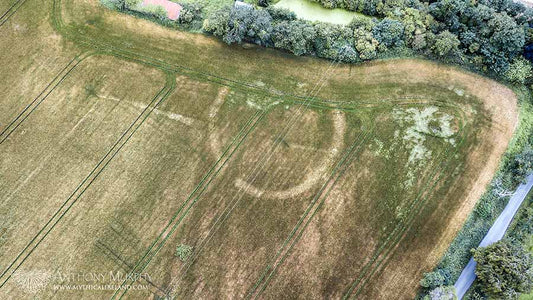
x: 311, y: 178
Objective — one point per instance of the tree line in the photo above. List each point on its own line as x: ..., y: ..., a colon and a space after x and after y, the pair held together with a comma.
x: 486, y: 35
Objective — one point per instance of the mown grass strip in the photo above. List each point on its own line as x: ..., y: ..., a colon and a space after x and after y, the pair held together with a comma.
x: 87, y: 181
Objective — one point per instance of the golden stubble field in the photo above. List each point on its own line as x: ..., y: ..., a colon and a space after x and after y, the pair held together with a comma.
x: 288, y: 177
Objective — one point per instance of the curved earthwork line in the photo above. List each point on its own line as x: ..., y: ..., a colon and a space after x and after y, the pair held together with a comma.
x: 272, y: 272
x: 93, y: 175
x: 293, y: 119
x: 43, y: 95
x: 311, y: 178
x: 253, y: 175
x: 58, y: 23
x: 11, y: 11
x: 333, y: 178
x: 396, y: 235
x: 158, y: 63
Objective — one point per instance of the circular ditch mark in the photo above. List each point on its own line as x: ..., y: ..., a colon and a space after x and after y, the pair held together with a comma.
x: 311, y: 178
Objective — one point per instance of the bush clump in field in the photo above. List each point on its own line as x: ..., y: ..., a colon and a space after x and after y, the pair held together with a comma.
x: 190, y: 12
x: 183, y: 252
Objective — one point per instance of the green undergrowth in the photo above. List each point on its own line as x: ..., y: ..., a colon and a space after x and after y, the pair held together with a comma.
x: 491, y: 203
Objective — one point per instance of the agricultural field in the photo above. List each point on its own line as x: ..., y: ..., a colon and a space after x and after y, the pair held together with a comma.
x: 199, y: 170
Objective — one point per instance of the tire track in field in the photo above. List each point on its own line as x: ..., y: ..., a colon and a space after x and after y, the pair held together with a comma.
x: 86, y: 183
x: 58, y: 23
x: 270, y: 267
x: 43, y: 95
x: 375, y: 105
x: 11, y: 11
x: 317, y: 202
x: 264, y: 159
x: 402, y: 226
x: 162, y: 65
x: 202, y: 186
x: 158, y: 63
x: 254, y: 174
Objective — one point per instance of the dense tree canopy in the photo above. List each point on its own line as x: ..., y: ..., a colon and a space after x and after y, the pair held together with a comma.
x: 504, y: 269
x: 485, y: 34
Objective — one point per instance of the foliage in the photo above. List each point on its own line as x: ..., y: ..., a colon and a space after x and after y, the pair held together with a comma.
x: 190, y: 12
x: 523, y: 163
x: 263, y: 3
x: 389, y: 32
x: 487, y: 35
x: 239, y: 24
x: 445, y: 44
x: 493, y: 201
x: 435, y: 279
x: 519, y: 71
x: 281, y: 14
x: 504, y: 269
x: 442, y: 293
x: 183, y: 252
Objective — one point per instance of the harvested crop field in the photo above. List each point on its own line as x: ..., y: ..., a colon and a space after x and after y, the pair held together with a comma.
x: 210, y: 171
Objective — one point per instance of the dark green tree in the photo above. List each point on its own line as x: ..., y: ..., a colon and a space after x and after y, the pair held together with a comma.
x: 445, y: 44
x: 504, y: 269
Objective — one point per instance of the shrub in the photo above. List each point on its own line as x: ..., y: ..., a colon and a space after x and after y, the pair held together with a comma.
x: 183, y: 252
x: 445, y: 44
x: 442, y: 293
x: 437, y: 278
x: 190, y: 12
x: 519, y: 71
x: 504, y: 269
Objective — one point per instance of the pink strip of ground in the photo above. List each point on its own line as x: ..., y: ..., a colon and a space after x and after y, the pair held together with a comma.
x: 173, y: 9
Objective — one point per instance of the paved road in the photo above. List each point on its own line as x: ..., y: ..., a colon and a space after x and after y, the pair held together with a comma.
x: 495, y: 234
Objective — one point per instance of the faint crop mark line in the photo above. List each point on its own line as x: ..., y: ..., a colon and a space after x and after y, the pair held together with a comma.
x: 385, y: 258
x: 396, y: 235
x: 11, y: 11
x: 157, y: 63
x: 48, y: 156
x: 147, y: 60
x: 198, y: 191
x: 253, y: 175
x: 317, y: 202
x: 250, y: 294
x: 43, y: 95
x: 417, y: 205
x: 86, y: 183
x: 277, y: 142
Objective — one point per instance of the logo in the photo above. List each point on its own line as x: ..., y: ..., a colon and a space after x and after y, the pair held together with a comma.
x: 32, y: 281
